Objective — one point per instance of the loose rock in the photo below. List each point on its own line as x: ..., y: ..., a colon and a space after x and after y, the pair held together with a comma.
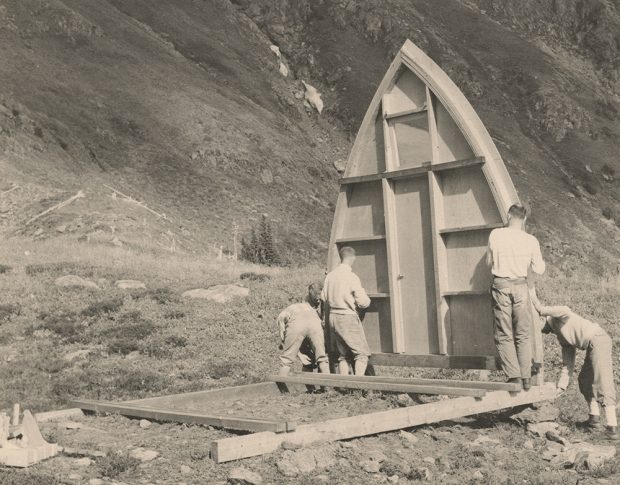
x: 83, y: 462
x: 145, y: 424
x: 144, y: 454
x: 74, y: 281
x: 546, y: 412
x: 185, y: 469
x: 218, y: 293
x: 371, y: 466
x: 541, y: 429
x: 243, y: 476
x: 478, y: 475
x: 130, y: 285
x: 409, y: 437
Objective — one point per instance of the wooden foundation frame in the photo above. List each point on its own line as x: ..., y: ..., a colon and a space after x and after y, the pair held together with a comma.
x: 266, y: 436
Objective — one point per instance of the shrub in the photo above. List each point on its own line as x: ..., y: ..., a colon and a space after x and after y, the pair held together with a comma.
x: 608, y: 170
x: 64, y: 324
x: 61, y: 268
x: 135, y: 331
x: 123, y: 346
x: 141, y: 380
x: 252, y: 276
x: 104, y: 307
x: 113, y: 464
x: 259, y: 247
x: 8, y: 311
x: 590, y: 188
x: 176, y: 341
x: 163, y: 296
x: 174, y: 315
x: 5, y: 269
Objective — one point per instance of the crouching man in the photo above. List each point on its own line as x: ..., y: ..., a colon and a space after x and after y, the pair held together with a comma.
x: 596, y: 379
x: 301, y: 322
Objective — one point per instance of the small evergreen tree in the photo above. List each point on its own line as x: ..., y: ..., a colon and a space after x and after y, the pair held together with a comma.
x: 260, y: 248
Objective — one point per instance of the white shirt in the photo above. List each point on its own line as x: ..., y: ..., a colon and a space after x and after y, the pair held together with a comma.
x: 343, y: 291
x: 513, y: 252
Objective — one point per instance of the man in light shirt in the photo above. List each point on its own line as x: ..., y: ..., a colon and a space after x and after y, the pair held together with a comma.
x: 512, y: 253
x: 344, y: 294
x: 596, y: 379
x: 299, y: 325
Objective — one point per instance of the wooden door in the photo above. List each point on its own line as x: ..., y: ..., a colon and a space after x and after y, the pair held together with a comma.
x: 416, y: 278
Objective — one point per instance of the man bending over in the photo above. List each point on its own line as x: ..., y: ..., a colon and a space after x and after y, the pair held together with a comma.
x: 298, y: 322
x: 512, y: 252
x: 596, y: 379
x: 344, y: 293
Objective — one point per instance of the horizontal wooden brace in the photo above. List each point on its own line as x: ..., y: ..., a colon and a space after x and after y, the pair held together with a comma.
x: 414, y: 171
x: 487, y: 385
x: 239, y: 447
x: 376, y: 385
x: 404, y: 113
x: 437, y: 361
x: 353, y: 239
x: 189, y: 417
x: 484, y: 227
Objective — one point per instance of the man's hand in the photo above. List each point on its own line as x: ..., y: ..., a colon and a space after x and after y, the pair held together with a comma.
x: 563, y: 380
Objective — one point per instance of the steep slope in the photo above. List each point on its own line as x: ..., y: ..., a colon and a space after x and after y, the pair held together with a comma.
x: 178, y: 103
x: 545, y: 90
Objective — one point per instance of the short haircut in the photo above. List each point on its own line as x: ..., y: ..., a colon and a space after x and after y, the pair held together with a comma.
x: 315, y: 287
x: 346, y: 251
x: 517, y: 211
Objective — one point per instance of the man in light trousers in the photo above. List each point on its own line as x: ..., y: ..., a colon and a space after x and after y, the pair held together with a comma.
x: 344, y: 294
x: 300, y: 327
x: 512, y: 253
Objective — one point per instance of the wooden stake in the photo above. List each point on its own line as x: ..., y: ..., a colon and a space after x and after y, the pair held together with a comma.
x: 79, y: 195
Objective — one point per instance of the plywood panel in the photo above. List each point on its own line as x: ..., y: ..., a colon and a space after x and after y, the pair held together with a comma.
x: 415, y: 251
x: 371, y: 265
x: 471, y: 320
x: 412, y: 140
x: 452, y: 145
x: 378, y: 326
x: 466, y: 254
x: 370, y: 157
x: 467, y: 198
x: 408, y: 93
x: 364, y: 210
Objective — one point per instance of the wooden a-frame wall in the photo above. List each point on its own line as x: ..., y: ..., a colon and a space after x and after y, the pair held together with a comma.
x: 460, y: 157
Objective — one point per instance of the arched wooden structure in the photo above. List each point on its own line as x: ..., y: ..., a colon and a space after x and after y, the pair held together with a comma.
x: 423, y: 187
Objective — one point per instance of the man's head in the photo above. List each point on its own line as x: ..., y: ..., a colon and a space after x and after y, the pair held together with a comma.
x: 347, y: 255
x: 314, y: 293
x: 517, y: 214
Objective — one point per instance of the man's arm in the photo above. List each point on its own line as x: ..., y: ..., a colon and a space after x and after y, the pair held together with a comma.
x: 282, y: 321
x: 537, y: 263
x: 362, y: 300
x: 561, y: 312
x: 568, y: 366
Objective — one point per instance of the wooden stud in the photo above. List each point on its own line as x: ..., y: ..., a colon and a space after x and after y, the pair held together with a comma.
x: 311, y: 379
x: 344, y: 240
x: 483, y: 227
x: 489, y: 362
x: 239, y: 447
x: 398, y: 337
x: 404, y: 113
x: 190, y: 417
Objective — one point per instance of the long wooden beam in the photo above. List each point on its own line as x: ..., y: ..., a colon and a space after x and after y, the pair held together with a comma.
x: 239, y: 447
x: 190, y: 417
x: 487, y: 385
x: 197, y: 398
x: 376, y: 385
x: 436, y: 361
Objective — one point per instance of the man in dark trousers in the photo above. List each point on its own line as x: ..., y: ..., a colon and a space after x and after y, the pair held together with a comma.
x: 512, y: 253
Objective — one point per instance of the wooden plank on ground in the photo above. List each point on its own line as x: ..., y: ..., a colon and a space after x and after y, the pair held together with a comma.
x: 239, y: 447
x: 157, y: 414
x: 487, y: 385
x: 201, y: 398
x: 46, y: 416
x: 376, y: 385
x: 489, y: 362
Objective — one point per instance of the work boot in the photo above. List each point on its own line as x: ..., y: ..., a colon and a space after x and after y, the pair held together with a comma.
x: 527, y: 384
x: 593, y: 422
x: 611, y: 433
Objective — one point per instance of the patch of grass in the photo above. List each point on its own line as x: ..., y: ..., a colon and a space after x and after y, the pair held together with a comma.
x: 28, y: 477
x: 176, y: 341
x: 65, y: 324
x: 174, y: 315
x: 606, y: 469
x: 103, y: 307
x: 4, y: 268
x: 252, y: 276
x: 462, y: 458
x: 114, y: 464
x: 135, y: 380
x: 163, y: 296
x: 60, y: 268
x: 8, y: 311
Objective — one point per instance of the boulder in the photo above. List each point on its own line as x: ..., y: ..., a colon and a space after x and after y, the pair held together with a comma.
x: 409, y: 437
x: 218, y: 293
x: 83, y: 461
x: 130, y: 285
x: 243, y: 476
x: 74, y: 281
x: 583, y: 455
x: 313, y: 97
